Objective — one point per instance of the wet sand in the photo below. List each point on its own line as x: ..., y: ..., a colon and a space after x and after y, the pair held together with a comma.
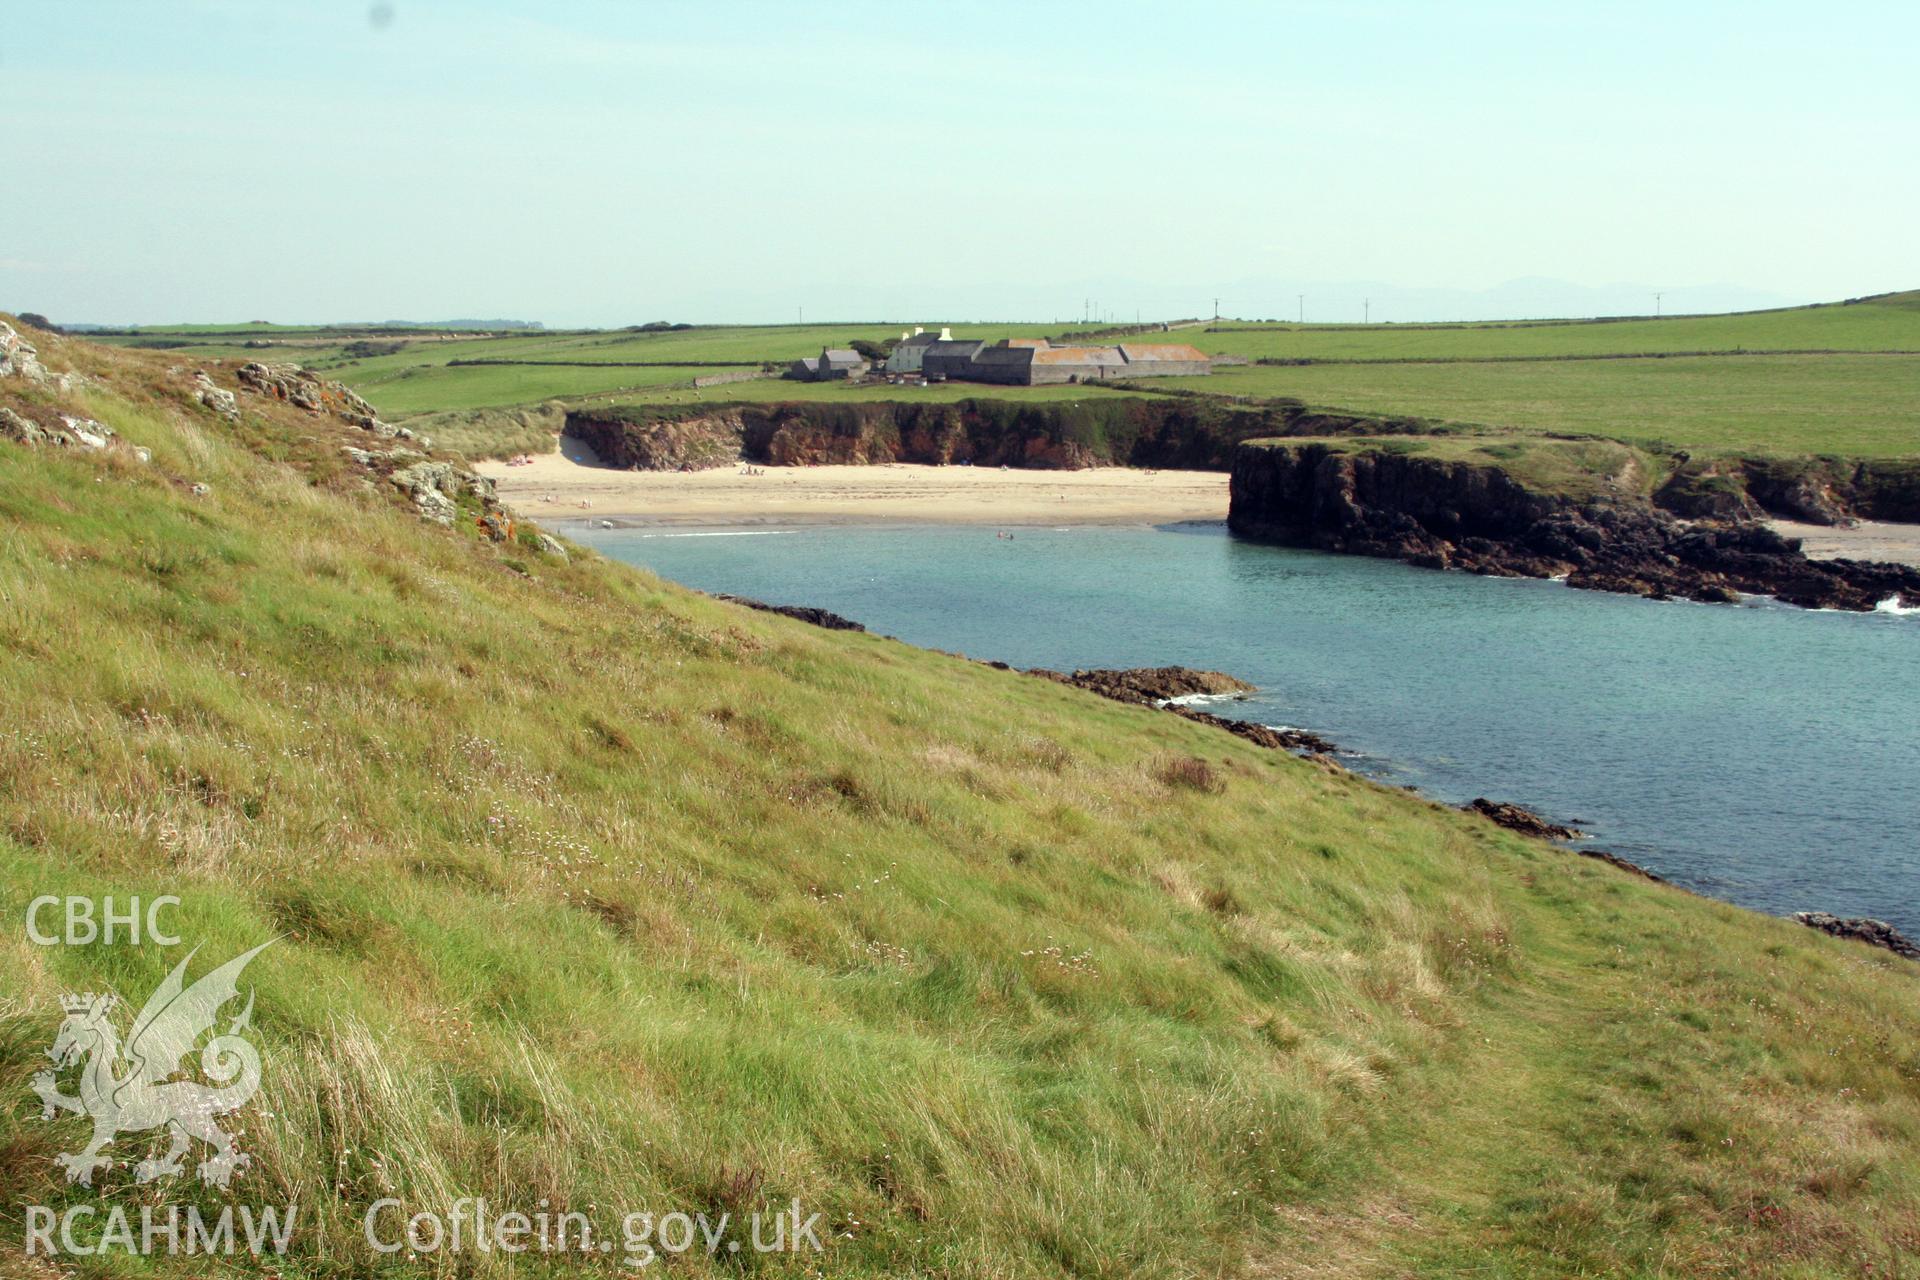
x: 1868, y: 540
x: 573, y: 486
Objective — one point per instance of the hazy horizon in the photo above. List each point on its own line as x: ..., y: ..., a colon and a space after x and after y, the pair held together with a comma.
x: 605, y: 165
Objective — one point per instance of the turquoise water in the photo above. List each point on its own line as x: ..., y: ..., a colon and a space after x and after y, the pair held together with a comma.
x: 1762, y: 754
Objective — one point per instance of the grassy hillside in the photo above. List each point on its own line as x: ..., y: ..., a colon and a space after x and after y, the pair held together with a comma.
x: 598, y: 893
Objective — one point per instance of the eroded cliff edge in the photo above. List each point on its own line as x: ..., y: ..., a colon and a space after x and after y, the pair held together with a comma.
x: 1581, y: 510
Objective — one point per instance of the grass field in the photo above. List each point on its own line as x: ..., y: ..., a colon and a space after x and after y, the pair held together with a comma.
x: 1526, y: 376
x: 596, y: 893
x: 1855, y: 405
x: 1888, y: 323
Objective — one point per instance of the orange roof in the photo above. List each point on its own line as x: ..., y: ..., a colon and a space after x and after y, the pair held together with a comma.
x: 1161, y: 351
x: 1025, y: 342
x: 1077, y: 355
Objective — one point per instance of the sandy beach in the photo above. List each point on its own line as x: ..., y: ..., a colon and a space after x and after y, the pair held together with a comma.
x: 573, y: 485
x: 1868, y: 540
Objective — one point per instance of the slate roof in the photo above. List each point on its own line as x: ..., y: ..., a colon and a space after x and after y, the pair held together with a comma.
x: 955, y: 347
x: 839, y: 357
x: 918, y: 340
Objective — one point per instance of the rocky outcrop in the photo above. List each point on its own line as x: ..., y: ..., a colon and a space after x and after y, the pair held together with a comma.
x: 18, y: 357
x: 214, y: 396
x: 435, y: 488
x: 21, y: 430
x: 21, y: 359
x: 1159, y: 686
x: 799, y: 612
x: 1515, y: 818
x: 1149, y: 686
x: 1447, y: 514
x: 1875, y: 933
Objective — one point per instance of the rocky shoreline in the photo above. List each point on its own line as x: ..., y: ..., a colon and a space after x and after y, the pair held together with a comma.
x: 1443, y: 514
x: 1164, y: 688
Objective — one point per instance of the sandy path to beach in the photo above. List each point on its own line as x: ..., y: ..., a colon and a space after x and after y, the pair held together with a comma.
x: 573, y: 485
x: 1868, y: 540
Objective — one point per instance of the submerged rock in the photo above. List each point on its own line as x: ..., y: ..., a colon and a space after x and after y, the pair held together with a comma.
x: 1876, y: 933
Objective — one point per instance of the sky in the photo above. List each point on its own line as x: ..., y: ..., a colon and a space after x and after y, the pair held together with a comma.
x: 587, y: 164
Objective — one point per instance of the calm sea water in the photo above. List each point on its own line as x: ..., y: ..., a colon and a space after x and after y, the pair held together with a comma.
x: 1762, y: 754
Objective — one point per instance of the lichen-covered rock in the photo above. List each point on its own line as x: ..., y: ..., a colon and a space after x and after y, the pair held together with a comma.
x: 214, y: 396
x: 552, y: 546
x: 18, y: 358
x: 21, y: 430
x: 432, y: 487
x: 305, y: 389
x: 94, y: 435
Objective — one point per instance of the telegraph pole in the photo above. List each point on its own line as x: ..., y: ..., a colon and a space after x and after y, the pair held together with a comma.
x: 1216, y: 308
x: 1656, y: 305
x: 1366, y: 311
x: 1303, y: 307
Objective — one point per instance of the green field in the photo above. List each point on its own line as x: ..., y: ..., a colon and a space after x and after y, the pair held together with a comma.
x: 1887, y: 323
x: 1857, y: 405
x: 596, y: 893
x: 1525, y: 376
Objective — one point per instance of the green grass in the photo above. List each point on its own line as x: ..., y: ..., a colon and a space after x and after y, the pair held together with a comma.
x: 1524, y: 376
x: 1579, y: 469
x: 594, y: 891
x: 1857, y: 405
x: 1887, y: 323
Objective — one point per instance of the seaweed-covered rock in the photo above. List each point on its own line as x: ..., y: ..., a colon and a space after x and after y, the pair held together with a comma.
x: 1525, y: 821
x: 1875, y: 933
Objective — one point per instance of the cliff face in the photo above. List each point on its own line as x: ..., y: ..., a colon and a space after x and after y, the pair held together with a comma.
x: 1163, y: 432
x: 1830, y: 491
x: 1446, y: 514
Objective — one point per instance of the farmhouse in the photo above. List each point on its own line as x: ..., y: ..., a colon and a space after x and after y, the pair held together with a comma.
x: 908, y: 353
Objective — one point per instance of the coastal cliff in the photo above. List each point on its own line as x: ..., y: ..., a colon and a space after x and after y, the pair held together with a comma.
x: 1536, y: 510
x: 1171, y: 432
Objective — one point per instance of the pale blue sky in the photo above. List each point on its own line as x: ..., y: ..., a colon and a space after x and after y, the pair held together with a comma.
x: 610, y: 163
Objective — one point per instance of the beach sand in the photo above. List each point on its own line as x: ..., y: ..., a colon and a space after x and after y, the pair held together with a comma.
x: 573, y: 486
x: 1868, y: 540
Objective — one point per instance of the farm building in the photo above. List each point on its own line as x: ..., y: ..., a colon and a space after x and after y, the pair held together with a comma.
x: 832, y: 363
x: 907, y: 353
x: 1013, y: 362
x: 1033, y: 362
x: 948, y: 358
